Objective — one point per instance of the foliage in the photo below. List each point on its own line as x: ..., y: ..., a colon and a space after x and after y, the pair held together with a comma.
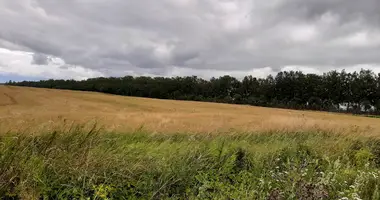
x: 358, y: 91
x: 80, y: 164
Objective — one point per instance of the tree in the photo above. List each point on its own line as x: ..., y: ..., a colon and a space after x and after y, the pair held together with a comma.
x: 366, y: 105
x: 315, y: 103
x: 360, y: 91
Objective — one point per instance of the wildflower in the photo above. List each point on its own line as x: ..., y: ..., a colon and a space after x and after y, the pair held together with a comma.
x: 356, y: 196
x: 374, y: 174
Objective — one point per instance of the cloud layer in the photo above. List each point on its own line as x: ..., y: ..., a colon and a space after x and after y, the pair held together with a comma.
x: 190, y: 37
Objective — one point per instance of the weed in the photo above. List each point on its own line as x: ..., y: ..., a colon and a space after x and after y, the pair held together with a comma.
x: 81, y: 163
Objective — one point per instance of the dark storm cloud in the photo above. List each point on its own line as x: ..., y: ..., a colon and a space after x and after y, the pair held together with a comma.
x: 120, y: 36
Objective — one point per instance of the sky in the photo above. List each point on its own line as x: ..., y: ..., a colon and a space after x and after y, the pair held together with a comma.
x: 79, y: 39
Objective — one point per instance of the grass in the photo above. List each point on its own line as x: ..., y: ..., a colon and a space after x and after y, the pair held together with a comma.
x: 81, y: 163
x: 373, y: 116
x: 163, y: 149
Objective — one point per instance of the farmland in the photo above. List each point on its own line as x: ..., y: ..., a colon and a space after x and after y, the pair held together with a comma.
x: 59, y: 144
x: 24, y: 108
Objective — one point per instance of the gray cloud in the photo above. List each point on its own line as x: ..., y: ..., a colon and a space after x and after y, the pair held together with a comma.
x: 149, y: 37
x: 350, y: 10
x: 40, y: 59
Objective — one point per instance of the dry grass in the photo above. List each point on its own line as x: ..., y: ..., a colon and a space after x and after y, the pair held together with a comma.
x: 23, y: 108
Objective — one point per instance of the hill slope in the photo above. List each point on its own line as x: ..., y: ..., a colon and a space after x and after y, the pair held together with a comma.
x: 22, y: 107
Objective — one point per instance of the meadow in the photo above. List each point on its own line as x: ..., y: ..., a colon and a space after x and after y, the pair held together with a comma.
x: 57, y: 144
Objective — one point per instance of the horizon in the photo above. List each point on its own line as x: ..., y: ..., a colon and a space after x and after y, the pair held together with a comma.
x: 15, y: 78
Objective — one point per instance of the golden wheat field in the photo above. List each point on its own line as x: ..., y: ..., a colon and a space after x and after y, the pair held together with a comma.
x: 26, y: 109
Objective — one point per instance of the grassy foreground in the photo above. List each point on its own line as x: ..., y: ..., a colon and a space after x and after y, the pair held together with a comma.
x: 79, y: 164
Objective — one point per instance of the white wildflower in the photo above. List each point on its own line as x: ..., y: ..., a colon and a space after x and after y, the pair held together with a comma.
x: 356, y: 196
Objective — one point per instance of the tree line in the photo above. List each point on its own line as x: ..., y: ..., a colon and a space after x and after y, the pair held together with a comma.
x: 356, y: 92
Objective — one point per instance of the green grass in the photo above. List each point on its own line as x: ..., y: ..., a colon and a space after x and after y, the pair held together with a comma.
x: 92, y: 164
x: 373, y: 116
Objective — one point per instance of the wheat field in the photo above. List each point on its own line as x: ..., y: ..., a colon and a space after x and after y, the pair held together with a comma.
x: 26, y: 109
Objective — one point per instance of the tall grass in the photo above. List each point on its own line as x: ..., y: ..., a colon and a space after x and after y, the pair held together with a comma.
x: 92, y: 164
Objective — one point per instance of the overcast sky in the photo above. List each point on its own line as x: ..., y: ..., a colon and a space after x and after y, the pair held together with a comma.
x: 79, y: 39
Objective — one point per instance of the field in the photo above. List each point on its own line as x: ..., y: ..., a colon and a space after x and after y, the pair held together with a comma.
x: 23, y: 108
x: 57, y: 144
